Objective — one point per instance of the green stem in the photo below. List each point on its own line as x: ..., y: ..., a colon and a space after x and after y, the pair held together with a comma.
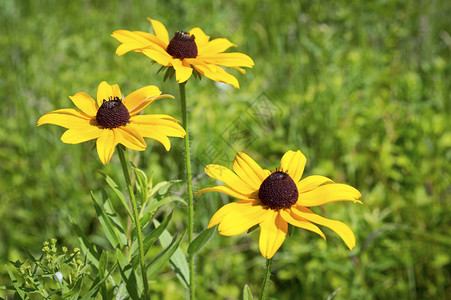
x: 265, y: 285
x: 189, y: 186
x: 126, y: 170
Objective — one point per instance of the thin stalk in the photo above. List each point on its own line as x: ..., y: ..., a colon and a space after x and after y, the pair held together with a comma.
x: 189, y: 187
x: 265, y: 284
x: 126, y: 170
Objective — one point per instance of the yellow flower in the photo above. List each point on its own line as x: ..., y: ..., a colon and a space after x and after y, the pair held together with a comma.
x: 112, y: 121
x: 184, y: 52
x: 272, y: 199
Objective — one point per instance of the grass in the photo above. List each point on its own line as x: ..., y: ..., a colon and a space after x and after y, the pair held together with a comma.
x: 361, y: 88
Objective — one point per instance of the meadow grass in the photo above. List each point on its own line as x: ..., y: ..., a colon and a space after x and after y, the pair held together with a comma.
x: 360, y: 88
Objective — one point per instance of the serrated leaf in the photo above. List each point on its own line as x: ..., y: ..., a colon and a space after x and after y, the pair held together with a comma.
x: 200, y: 241
x: 247, y: 294
x: 178, y: 260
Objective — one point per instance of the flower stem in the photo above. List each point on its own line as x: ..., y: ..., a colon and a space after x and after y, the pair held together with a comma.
x: 189, y: 186
x: 265, y: 285
x: 126, y: 170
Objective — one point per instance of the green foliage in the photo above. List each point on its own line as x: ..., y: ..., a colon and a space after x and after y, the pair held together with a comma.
x: 362, y: 88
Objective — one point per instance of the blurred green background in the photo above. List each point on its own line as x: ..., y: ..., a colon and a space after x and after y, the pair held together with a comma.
x: 363, y: 89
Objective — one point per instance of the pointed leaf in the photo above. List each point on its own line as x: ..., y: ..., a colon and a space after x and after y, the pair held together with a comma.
x: 157, y: 263
x: 200, y: 241
x: 178, y: 260
x: 247, y: 294
x: 106, y: 223
x: 118, y: 192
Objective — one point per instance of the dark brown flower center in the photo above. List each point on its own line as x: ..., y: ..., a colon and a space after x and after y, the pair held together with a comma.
x: 278, y: 191
x: 182, y: 45
x: 112, y: 113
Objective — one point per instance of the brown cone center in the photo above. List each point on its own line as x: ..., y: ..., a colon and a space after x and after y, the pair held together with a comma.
x: 182, y: 46
x: 278, y: 191
x: 112, y: 113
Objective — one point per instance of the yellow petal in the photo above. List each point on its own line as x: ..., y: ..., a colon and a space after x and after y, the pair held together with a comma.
x: 130, y: 138
x: 106, y: 91
x: 199, y: 37
x: 125, y: 48
x: 297, y: 221
x: 312, y: 182
x: 272, y: 234
x: 215, y: 73
x: 85, y: 103
x: 182, y: 73
x: 160, y: 31
x: 293, y: 163
x: 80, y: 135
x: 226, y: 190
x: 228, y: 59
x: 215, y: 46
x: 146, y: 102
x: 249, y: 171
x: 150, y: 132
x: 137, y: 97
x: 161, y: 57
x: 170, y: 127
x: 68, y: 118
x: 226, y: 209
x: 139, y: 38
x: 328, y: 193
x: 228, y: 177
x: 340, y: 228
x: 242, y: 218
x: 105, y: 145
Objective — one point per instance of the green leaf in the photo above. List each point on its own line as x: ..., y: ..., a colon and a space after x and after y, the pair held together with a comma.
x: 178, y: 260
x: 200, y: 241
x: 150, y: 239
x: 142, y: 183
x: 157, y: 204
x: 128, y: 275
x: 157, y: 263
x: 118, y: 192
x: 107, y: 225
x: 247, y: 294
x: 16, y: 284
x: 86, y: 246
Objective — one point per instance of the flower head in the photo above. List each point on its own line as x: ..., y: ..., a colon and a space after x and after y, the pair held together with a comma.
x: 274, y: 199
x: 185, y: 52
x: 113, y: 120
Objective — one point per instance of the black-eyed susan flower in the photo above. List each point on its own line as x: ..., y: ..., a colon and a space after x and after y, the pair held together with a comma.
x: 274, y: 199
x: 185, y: 51
x: 113, y: 120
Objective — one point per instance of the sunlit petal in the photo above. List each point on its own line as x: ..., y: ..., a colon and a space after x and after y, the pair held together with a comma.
x: 228, y: 59
x: 85, y: 103
x: 137, y: 97
x: 215, y: 46
x: 249, y: 171
x: 227, y: 190
x: 105, y: 145
x: 239, y: 220
x: 272, y: 234
x: 169, y: 127
x: 68, y: 118
x: 80, y: 135
x: 228, y: 177
x: 340, y: 228
x: 223, y: 211
x: 130, y: 138
x: 150, y: 132
x: 161, y: 57
x: 329, y: 193
x: 160, y: 31
x: 106, y: 92
x: 146, y: 102
x: 297, y: 221
x: 200, y: 37
x: 312, y: 182
x: 217, y: 75
x: 182, y: 73
x: 293, y: 163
